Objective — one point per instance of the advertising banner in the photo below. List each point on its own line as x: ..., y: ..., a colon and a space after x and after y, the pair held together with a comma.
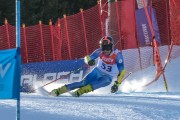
x: 44, y: 72
x: 8, y: 77
x: 144, y: 32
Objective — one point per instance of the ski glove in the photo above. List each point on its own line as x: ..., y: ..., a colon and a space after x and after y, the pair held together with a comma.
x: 117, y: 83
x: 114, y: 88
x: 89, y: 61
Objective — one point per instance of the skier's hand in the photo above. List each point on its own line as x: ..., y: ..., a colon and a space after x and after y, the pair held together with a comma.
x: 91, y: 62
x: 114, y: 88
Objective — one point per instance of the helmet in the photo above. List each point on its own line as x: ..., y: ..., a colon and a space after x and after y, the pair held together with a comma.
x: 106, y: 43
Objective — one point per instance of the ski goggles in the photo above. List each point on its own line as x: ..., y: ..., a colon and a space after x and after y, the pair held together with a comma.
x: 106, y: 47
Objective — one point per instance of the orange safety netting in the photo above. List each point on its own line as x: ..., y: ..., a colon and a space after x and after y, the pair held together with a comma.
x: 175, y: 21
x: 75, y: 36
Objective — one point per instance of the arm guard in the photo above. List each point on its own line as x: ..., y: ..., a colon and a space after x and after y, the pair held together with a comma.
x: 121, y: 76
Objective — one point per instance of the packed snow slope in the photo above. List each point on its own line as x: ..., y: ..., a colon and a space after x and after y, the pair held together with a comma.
x: 151, y: 103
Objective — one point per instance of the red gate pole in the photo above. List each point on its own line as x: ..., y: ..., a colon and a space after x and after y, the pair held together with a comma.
x: 67, y: 36
x: 101, y: 23
x: 84, y: 30
x: 59, y: 38
x: 42, y: 42
x: 52, y: 38
x: 7, y: 33
x: 118, y: 24
x: 25, y: 42
x: 154, y: 40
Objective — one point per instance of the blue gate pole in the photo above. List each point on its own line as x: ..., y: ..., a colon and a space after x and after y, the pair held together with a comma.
x: 18, y: 34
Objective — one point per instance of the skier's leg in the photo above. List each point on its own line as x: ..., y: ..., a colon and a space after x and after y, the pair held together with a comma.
x: 82, y: 90
x: 58, y: 91
x: 101, y: 82
x: 92, y: 75
x: 87, y: 79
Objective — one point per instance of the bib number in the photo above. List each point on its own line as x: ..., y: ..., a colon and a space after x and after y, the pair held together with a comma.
x: 106, y: 67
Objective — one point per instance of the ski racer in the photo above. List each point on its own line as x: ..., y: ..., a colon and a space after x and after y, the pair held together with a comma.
x: 110, y: 63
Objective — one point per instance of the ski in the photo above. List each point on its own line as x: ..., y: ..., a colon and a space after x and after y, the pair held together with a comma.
x: 43, y: 92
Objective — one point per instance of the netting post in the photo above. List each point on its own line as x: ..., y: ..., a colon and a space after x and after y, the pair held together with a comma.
x: 42, y: 42
x: 101, y: 23
x: 52, y: 39
x: 168, y: 23
x: 67, y: 37
x: 7, y: 33
x: 118, y: 24
x: 137, y: 39
x: 150, y: 2
x: 59, y: 39
x: 25, y: 42
x: 158, y: 59
x: 84, y: 30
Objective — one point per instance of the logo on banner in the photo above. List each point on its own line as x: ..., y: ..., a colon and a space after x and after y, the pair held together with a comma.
x: 73, y: 77
x: 146, y: 35
x: 4, y: 70
x: 144, y: 32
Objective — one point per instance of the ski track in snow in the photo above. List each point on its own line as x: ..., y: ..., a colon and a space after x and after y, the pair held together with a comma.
x: 123, y: 106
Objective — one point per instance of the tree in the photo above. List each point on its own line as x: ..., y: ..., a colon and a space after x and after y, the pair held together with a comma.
x: 7, y: 10
x: 34, y: 10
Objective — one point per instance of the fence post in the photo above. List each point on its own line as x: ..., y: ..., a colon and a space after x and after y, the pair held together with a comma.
x: 168, y: 22
x: 67, y: 37
x: 25, y: 42
x: 59, y: 38
x: 153, y: 51
x: 7, y: 33
x: 101, y: 23
x: 118, y: 24
x: 137, y: 42
x: 42, y: 42
x: 84, y: 30
x: 52, y: 39
x: 157, y: 57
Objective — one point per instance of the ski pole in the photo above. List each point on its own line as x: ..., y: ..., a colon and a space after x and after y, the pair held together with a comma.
x: 56, y: 79
x: 126, y: 76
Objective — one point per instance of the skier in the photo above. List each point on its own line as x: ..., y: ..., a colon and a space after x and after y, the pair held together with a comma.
x: 110, y: 63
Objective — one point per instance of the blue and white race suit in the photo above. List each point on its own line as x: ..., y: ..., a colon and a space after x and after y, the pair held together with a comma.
x: 107, y: 67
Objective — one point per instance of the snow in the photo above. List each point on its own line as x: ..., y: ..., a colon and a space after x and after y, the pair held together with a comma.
x: 151, y: 103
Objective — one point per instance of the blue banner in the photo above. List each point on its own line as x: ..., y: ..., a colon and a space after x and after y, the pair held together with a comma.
x: 144, y: 32
x: 9, y: 80
x: 44, y: 72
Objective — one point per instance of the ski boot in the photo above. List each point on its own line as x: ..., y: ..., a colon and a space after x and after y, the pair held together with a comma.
x: 59, y: 91
x: 82, y: 90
